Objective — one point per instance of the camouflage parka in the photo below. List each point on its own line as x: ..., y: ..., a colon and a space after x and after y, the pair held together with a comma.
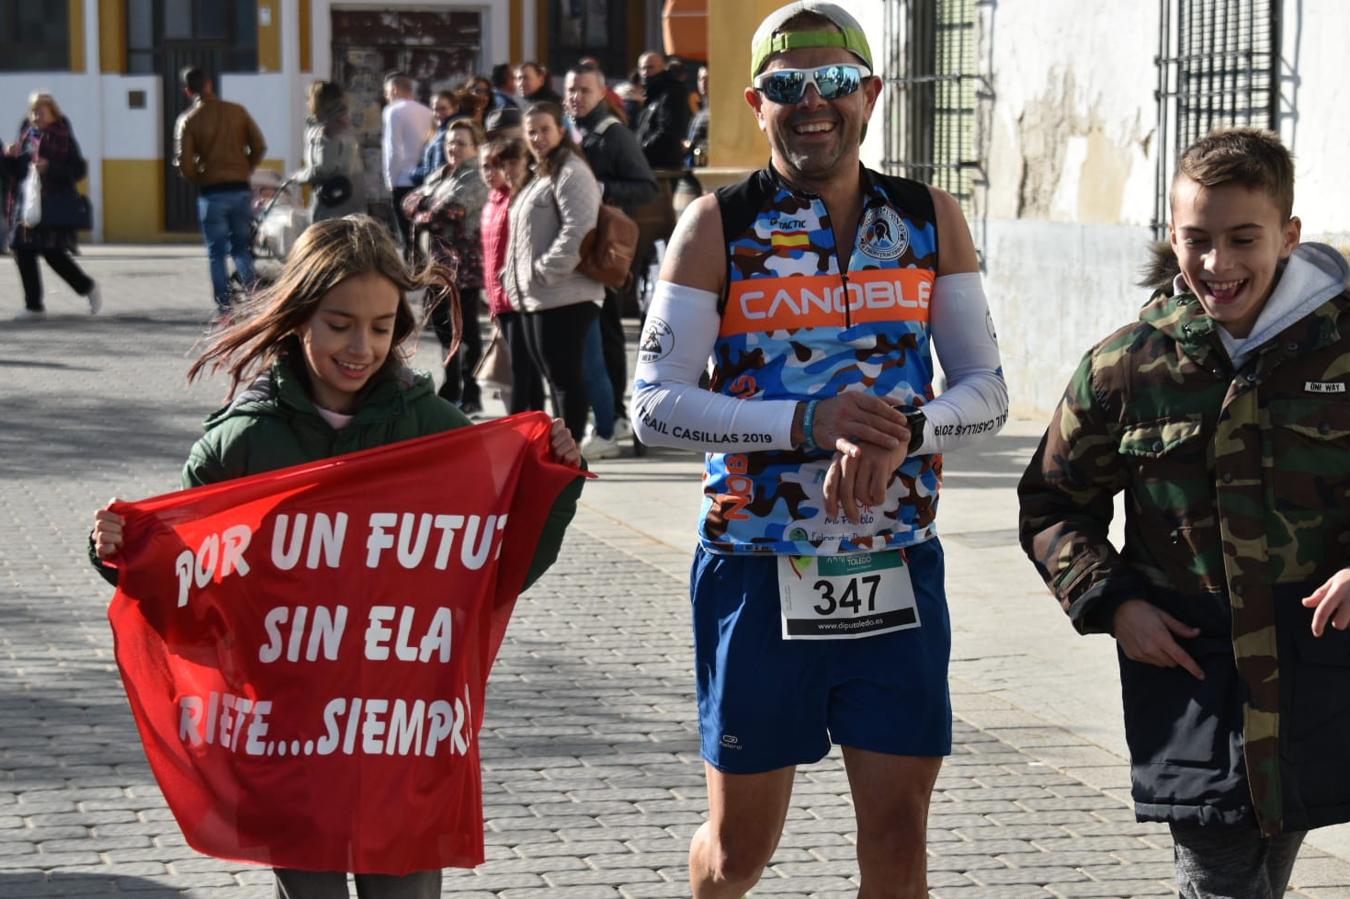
x: 1237, y: 506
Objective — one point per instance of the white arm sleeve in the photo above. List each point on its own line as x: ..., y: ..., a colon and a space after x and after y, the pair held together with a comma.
x: 975, y: 403
x: 670, y: 409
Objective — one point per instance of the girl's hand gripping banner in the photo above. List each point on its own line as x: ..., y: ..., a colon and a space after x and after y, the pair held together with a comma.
x: 305, y: 651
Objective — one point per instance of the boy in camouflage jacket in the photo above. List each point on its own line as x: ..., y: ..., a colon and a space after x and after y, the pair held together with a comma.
x: 1223, y: 414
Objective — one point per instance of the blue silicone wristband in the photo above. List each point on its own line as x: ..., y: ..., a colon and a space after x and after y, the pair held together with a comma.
x: 809, y: 425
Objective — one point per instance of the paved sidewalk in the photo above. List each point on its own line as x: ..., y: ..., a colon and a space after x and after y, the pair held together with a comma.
x: 593, y: 783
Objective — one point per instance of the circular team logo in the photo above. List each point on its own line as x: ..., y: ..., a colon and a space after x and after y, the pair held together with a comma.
x: 657, y: 341
x: 884, y: 234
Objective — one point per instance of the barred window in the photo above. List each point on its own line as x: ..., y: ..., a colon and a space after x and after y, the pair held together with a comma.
x: 226, y: 28
x: 1217, y: 68
x: 933, y: 87
x: 34, y: 37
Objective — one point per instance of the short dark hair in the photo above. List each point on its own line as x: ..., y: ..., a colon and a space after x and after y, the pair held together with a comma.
x: 194, y: 78
x: 501, y: 72
x: 585, y: 68
x: 499, y: 150
x: 501, y: 119
x: 1249, y: 157
x: 400, y: 80
x: 531, y: 64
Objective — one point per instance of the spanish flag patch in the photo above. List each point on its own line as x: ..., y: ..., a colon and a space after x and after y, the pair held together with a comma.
x: 791, y: 240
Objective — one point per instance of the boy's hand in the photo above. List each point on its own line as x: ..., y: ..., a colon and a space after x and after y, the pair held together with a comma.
x: 1331, y: 602
x: 1145, y: 631
x: 108, y: 531
x: 853, y: 481
x: 564, y: 447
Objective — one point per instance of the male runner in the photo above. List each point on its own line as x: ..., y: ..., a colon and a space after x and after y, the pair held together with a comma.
x: 811, y: 626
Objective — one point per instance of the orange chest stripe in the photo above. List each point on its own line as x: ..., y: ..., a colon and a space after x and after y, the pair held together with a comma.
x: 817, y: 301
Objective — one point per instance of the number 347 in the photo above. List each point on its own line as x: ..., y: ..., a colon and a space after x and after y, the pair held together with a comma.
x: 850, y: 598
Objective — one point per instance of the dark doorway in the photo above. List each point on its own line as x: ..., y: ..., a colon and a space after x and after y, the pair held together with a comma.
x: 164, y: 36
x: 591, y: 28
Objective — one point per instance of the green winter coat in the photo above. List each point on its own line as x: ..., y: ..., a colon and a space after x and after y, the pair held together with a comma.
x: 1237, y: 505
x: 273, y: 424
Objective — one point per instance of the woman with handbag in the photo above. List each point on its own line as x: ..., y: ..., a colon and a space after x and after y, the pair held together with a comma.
x: 333, y: 167
x: 550, y: 216
x: 446, y: 213
x: 42, y: 218
x: 504, y: 165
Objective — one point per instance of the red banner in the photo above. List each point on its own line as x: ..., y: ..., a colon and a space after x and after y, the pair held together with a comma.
x: 305, y: 651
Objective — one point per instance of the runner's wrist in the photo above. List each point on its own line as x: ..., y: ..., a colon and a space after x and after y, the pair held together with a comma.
x: 804, y: 425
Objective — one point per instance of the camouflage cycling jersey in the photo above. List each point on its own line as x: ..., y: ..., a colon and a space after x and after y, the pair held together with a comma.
x: 1237, y: 499
x: 796, y: 325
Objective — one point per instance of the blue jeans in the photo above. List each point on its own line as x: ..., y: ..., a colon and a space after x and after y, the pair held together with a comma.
x: 226, y: 219
x: 597, y: 382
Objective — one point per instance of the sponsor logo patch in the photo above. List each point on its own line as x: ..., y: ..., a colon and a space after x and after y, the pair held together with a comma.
x: 760, y: 305
x: 1324, y: 387
x: 884, y: 234
x: 657, y: 341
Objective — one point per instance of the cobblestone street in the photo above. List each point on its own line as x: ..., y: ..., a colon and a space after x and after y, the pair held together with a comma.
x: 592, y: 775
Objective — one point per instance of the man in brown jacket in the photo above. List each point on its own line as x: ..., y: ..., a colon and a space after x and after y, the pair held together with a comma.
x: 217, y: 145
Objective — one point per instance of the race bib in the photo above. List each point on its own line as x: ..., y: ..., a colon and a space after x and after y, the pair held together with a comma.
x: 845, y: 597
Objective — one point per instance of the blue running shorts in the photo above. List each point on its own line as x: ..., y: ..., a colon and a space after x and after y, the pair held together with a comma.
x: 766, y: 703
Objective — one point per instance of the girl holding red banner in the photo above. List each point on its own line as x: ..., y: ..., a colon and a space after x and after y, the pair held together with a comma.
x: 321, y: 353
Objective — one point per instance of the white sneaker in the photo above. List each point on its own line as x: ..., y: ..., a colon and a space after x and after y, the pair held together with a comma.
x: 596, y: 447
x: 31, y: 315
x: 95, y: 298
x: 623, y: 429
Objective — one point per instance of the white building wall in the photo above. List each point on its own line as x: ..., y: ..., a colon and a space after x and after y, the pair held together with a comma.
x: 1069, y: 142
x: 108, y: 128
x: 78, y: 95
x: 1317, y: 93
x: 1070, y: 159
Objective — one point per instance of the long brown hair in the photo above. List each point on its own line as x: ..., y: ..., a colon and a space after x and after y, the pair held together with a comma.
x: 327, y: 253
x: 557, y: 157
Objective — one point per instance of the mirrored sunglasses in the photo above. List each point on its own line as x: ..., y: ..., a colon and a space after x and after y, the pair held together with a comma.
x: 788, y: 86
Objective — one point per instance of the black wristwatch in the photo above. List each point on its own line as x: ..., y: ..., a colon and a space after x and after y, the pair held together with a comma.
x: 918, y: 423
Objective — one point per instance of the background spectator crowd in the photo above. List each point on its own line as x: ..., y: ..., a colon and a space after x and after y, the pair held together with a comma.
x: 496, y: 180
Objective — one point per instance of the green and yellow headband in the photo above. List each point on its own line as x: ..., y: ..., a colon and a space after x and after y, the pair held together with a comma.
x: 850, y: 39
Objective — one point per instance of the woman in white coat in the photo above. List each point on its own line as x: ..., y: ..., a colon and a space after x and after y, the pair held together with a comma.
x: 550, y: 215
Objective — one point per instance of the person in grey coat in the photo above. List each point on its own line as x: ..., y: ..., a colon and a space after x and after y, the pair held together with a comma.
x: 446, y: 213
x: 550, y: 215
x: 333, y: 167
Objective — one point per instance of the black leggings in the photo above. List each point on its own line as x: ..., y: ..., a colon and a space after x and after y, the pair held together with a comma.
x: 61, y: 263
x: 614, y: 343
x: 556, y: 338
x: 527, y: 386
x: 459, y: 383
